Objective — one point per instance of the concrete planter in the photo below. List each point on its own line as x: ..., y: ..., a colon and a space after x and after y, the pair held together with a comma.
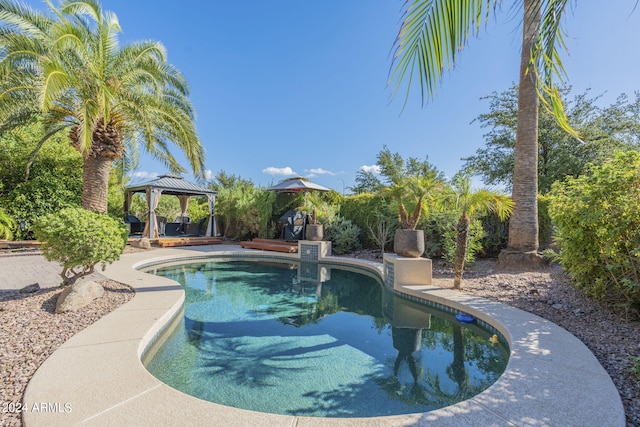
x: 409, y: 243
x: 314, y: 232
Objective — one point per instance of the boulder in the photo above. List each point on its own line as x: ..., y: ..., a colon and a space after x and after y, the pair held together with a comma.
x: 29, y: 289
x: 78, y: 295
x: 143, y: 243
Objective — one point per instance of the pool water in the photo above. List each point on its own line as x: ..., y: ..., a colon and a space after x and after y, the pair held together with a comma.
x: 316, y: 340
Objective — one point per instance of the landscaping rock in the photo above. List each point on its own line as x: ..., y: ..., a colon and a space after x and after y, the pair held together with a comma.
x: 78, y: 296
x: 143, y: 243
x: 29, y: 289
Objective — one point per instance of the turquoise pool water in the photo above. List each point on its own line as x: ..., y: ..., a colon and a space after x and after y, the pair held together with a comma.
x: 317, y: 340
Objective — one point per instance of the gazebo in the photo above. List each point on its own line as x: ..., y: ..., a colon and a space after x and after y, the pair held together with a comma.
x: 171, y: 185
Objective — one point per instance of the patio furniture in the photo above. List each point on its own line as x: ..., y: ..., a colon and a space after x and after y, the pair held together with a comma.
x: 135, y: 225
x: 173, y: 229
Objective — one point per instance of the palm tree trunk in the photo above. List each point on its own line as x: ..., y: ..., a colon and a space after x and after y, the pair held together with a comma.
x: 95, y: 182
x: 522, y: 248
x: 462, y: 238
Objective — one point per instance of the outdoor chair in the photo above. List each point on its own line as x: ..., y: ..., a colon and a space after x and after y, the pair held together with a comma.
x: 294, y: 224
x: 135, y: 225
x: 173, y: 229
x: 195, y: 228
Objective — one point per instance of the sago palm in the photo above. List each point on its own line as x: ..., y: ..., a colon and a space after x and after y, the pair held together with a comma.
x: 432, y: 34
x: 69, y: 70
x: 7, y: 225
x: 470, y: 205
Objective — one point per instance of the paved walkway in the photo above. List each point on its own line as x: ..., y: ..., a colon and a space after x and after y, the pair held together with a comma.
x: 20, y: 270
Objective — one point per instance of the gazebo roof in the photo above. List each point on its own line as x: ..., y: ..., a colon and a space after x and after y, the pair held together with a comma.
x: 295, y: 185
x: 171, y: 184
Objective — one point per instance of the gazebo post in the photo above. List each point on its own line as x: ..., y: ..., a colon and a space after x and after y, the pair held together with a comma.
x: 211, y: 228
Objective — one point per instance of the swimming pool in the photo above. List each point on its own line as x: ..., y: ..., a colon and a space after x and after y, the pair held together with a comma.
x: 317, y: 340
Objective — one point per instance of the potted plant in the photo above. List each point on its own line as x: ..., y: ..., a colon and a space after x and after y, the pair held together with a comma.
x: 314, y: 231
x: 416, y: 190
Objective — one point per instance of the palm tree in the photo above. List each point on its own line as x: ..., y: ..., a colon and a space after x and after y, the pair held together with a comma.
x: 470, y: 205
x: 431, y: 35
x: 70, y: 72
x: 417, y: 190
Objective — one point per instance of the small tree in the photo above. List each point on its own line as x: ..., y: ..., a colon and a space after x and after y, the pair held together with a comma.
x: 471, y: 204
x: 79, y: 239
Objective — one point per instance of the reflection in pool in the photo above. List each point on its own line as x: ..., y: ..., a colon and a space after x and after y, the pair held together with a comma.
x: 317, y: 340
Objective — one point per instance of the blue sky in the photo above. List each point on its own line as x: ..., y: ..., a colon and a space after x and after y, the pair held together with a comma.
x: 299, y: 87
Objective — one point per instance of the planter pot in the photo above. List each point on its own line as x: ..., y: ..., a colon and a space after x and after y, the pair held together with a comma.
x: 409, y: 243
x: 314, y: 232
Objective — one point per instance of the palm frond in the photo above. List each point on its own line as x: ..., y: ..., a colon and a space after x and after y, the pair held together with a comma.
x: 431, y: 35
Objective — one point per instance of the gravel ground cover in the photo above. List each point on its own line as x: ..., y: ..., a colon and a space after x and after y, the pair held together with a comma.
x: 31, y: 331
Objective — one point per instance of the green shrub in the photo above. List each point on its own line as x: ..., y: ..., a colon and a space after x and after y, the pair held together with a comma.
x: 545, y: 224
x: 636, y: 369
x: 496, y: 236
x: 435, y: 227
x: 79, y: 239
x: 364, y: 210
x: 597, y: 220
x: 243, y: 210
x: 344, y: 235
x: 7, y: 225
x: 54, y: 180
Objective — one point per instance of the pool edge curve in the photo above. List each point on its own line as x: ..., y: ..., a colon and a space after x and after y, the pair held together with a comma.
x: 551, y: 378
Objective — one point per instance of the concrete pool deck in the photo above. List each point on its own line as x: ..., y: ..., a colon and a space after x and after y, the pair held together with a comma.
x: 97, y: 377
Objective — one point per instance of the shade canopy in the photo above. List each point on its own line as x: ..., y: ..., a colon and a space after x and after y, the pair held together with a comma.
x: 295, y: 185
x: 172, y: 185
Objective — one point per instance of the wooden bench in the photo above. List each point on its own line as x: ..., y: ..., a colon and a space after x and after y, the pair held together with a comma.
x: 271, y: 245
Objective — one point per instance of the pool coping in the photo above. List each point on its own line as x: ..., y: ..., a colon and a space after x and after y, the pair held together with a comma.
x: 97, y: 377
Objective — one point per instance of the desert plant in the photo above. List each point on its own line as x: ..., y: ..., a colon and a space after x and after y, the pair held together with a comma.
x: 80, y: 239
x: 344, y: 235
x: 381, y: 231
x: 366, y: 209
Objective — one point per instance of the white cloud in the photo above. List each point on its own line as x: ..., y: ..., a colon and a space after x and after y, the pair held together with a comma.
x: 208, y: 174
x: 286, y: 171
x: 143, y: 175
x: 319, y: 171
x: 372, y: 168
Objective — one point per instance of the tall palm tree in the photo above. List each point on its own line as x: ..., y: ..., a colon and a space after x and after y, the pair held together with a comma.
x: 70, y: 71
x: 432, y: 34
x: 470, y: 205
